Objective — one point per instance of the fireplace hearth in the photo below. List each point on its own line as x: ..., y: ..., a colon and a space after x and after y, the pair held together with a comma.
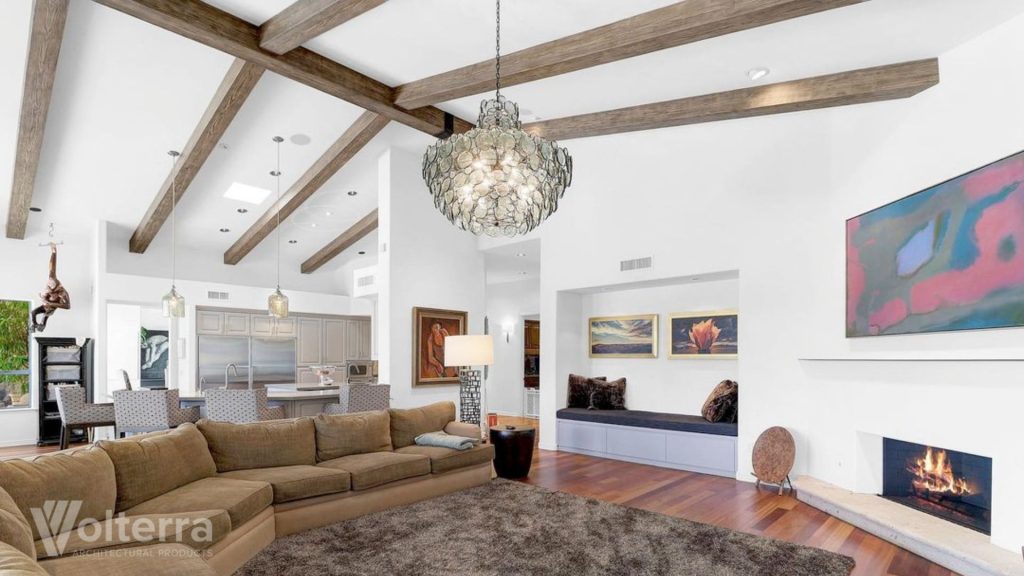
x: 955, y: 486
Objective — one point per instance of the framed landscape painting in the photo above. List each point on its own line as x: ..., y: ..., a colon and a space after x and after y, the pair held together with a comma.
x: 430, y: 328
x: 704, y: 334
x: 950, y: 257
x: 624, y: 337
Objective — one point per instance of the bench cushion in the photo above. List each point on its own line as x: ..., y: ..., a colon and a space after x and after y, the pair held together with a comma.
x: 376, y: 468
x: 149, y: 465
x: 339, y: 435
x: 657, y: 420
x: 296, y: 482
x: 260, y: 444
x: 242, y: 499
x: 445, y: 459
x: 155, y: 560
x: 197, y: 530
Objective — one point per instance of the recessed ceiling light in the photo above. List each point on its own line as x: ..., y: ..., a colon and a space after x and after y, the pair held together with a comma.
x: 361, y: 252
x: 300, y: 139
x: 293, y: 241
x: 35, y: 209
x: 225, y: 230
x: 328, y: 213
x: 242, y: 210
x: 245, y: 193
x: 522, y: 273
x: 352, y: 192
x: 313, y: 225
x: 757, y: 73
x: 521, y: 254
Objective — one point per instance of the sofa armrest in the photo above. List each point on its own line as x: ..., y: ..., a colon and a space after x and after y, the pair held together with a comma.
x: 13, y: 561
x: 463, y: 429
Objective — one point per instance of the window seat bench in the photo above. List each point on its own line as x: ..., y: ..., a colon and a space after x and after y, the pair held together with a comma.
x: 677, y: 441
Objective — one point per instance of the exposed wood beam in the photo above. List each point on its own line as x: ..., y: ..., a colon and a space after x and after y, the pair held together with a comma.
x: 357, y: 232
x: 351, y: 142
x: 234, y: 89
x: 856, y: 87
x: 217, y: 29
x: 307, y: 19
x: 48, y: 17
x: 667, y: 27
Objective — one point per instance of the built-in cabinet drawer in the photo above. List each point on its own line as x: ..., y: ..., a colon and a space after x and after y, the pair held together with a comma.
x: 582, y: 436
x: 636, y: 443
x: 701, y: 451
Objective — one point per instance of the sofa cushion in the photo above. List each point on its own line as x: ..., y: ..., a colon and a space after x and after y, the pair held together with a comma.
x: 339, y: 435
x: 14, y: 562
x: 296, y: 482
x: 445, y: 459
x: 261, y: 444
x: 14, y: 527
x: 722, y: 404
x: 464, y: 429
x: 155, y: 560
x: 83, y: 474
x: 148, y: 465
x: 197, y: 530
x: 407, y: 424
x: 242, y: 499
x: 374, y: 469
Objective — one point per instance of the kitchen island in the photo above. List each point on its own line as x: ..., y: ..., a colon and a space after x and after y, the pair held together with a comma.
x: 297, y: 400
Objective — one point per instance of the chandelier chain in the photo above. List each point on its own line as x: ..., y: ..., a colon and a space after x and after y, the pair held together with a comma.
x: 174, y: 213
x: 277, y: 173
x: 497, y: 49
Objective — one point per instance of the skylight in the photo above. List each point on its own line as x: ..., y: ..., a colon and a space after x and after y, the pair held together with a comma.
x: 246, y: 193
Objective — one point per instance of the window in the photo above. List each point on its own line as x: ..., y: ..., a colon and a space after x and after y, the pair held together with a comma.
x: 15, y: 378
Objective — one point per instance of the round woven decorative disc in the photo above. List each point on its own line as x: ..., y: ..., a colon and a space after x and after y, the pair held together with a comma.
x: 774, y: 453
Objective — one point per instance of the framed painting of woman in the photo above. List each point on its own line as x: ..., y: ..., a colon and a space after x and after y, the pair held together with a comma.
x: 430, y: 328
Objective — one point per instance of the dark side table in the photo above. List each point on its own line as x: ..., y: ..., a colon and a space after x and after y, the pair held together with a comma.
x: 513, y: 450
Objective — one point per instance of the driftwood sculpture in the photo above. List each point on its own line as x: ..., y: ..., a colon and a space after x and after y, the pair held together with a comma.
x: 54, y: 297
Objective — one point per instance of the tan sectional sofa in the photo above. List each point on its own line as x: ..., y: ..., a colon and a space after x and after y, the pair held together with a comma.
x: 203, y: 499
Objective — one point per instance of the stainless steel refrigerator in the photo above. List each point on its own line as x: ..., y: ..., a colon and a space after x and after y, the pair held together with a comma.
x: 259, y: 361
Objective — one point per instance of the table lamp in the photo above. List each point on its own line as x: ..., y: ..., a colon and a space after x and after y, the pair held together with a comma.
x: 465, y: 352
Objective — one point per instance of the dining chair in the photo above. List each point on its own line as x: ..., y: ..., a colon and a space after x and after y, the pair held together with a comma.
x: 150, y: 410
x: 240, y: 406
x: 75, y: 412
x: 360, y: 398
x: 127, y: 380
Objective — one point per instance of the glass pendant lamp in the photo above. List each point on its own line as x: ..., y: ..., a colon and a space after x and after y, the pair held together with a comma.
x: 173, y: 304
x: 277, y: 302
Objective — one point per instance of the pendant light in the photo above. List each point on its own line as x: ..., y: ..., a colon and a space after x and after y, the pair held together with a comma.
x: 174, y: 303
x: 277, y: 302
x: 497, y: 179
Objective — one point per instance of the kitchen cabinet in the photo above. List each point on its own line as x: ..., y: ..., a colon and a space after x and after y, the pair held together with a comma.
x: 236, y: 324
x: 268, y: 326
x: 310, y: 334
x: 307, y: 376
x: 358, y: 340
x: 285, y: 328
x: 335, y: 350
x: 209, y: 322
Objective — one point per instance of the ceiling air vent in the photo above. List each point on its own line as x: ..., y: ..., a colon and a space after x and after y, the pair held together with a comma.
x: 364, y: 281
x: 212, y: 295
x: 635, y: 264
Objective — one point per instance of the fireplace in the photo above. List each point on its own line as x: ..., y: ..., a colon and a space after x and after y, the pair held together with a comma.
x: 955, y: 486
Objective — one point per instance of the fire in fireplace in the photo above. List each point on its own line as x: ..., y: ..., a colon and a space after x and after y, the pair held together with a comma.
x: 952, y: 485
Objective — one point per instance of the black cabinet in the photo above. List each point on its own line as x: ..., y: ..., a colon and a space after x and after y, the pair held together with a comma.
x: 61, y: 361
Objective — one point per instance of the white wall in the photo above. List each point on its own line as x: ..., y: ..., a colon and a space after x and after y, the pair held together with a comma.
x: 424, y: 261
x: 508, y: 303
x: 662, y: 384
x: 769, y: 197
x: 27, y: 267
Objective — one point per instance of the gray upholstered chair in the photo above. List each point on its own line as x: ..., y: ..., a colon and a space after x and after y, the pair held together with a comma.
x: 75, y: 412
x: 240, y: 406
x: 150, y: 410
x: 360, y: 398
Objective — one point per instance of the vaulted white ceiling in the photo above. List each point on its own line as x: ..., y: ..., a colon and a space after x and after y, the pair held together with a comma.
x: 126, y: 92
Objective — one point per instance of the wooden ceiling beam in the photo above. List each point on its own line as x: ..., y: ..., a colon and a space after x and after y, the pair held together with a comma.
x: 351, y: 142
x: 306, y: 19
x: 667, y: 27
x: 355, y: 233
x: 48, y: 18
x: 890, y: 82
x: 234, y: 89
x: 218, y: 29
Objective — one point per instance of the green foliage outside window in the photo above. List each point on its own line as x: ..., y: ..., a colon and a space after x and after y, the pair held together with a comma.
x: 15, y: 381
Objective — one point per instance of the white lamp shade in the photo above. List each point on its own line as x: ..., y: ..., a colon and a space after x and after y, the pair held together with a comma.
x: 468, y: 351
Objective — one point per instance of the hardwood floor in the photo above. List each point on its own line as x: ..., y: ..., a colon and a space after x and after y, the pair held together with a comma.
x: 701, y: 498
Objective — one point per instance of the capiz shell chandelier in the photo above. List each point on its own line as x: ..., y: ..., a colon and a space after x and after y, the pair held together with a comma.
x: 497, y: 179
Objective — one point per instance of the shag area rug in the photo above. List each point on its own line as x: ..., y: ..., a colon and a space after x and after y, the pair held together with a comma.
x: 516, y: 529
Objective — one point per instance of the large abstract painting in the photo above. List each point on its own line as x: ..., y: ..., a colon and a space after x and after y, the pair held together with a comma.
x: 430, y: 328
x: 704, y: 335
x: 624, y: 337
x: 950, y: 257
